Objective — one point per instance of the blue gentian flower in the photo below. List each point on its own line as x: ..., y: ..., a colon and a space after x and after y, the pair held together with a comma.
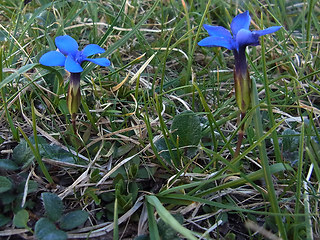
x: 241, y: 35
x: 240, y: 38
x: 70, y: 57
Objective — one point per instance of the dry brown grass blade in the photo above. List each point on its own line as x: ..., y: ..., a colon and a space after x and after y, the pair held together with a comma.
x: 84, y: 176
x: 11, y: 232
x: 105, y: 177
x: 142, y: 68
x: 261, y: 230
x: 103, y: 229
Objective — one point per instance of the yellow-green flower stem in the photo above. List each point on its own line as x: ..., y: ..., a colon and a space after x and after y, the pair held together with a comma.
x: 74, y: 97
x: 242, y: 80
x: 243, y: 87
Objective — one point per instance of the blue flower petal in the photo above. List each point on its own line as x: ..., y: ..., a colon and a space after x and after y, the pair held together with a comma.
x: 241, y: 21
x: 246, y: 38
x: 53, y: 58
x: 92, y: 49
x: 72, y: 66
x: 217, y: 42
x: 217, y: 31
x: 100, y: 61
x: 267, y: 31
x: 67, y: 45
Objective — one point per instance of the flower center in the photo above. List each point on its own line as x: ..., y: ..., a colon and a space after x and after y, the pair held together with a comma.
x: 79, y: 57
x: 245, y: 38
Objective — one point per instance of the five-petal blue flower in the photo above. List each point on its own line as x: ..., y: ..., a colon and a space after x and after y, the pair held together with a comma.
x: 70, y: 57
x: 241, y: 35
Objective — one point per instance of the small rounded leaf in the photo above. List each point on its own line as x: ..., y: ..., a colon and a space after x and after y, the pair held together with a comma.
x: 5, y: 184
x: 21, y: 218
x: 4, y: 220
x: 8, y: 165
x: 53, y: 205
x: 73, y: 219
x: 187, y: 127
x: 46, y: 230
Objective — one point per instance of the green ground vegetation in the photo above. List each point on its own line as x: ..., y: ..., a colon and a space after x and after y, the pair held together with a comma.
x: 154, y: 152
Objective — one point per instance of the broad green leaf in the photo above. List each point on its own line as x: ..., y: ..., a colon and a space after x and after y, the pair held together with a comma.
x: 4, y: 220
x: 43, y: 227
x: 146, y: 172
x: 120, y: 171
x: 162, y: 148
x: 107, y: 196
x: 122, y: 150
x: 41, y: 140
x: 63, y: 107
x: 186, y: 132
x: 53, y: 205
x: 52, y: 151
x: 8, y: 165
x: 46, y: 230
x: 5, y: 184
x: 73, y: 219
x: 22, y: 154
x: 133, y: 189
x: 186, y: 129
x: 8, y: 197
x: 21, y: 218
x: 56, y: 153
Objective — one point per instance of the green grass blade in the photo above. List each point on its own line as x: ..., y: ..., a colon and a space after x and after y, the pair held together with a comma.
x: 169, y: 219
x: 16, y: 74
x: 265, y: 163
x: 115, y: 220
x: 211, y: 120
x: 250, y: 178
x: 153, y: 228
x: 14, y: 130
x: 185, y: 198
x: 268, y: 100
x: 37, y: 156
